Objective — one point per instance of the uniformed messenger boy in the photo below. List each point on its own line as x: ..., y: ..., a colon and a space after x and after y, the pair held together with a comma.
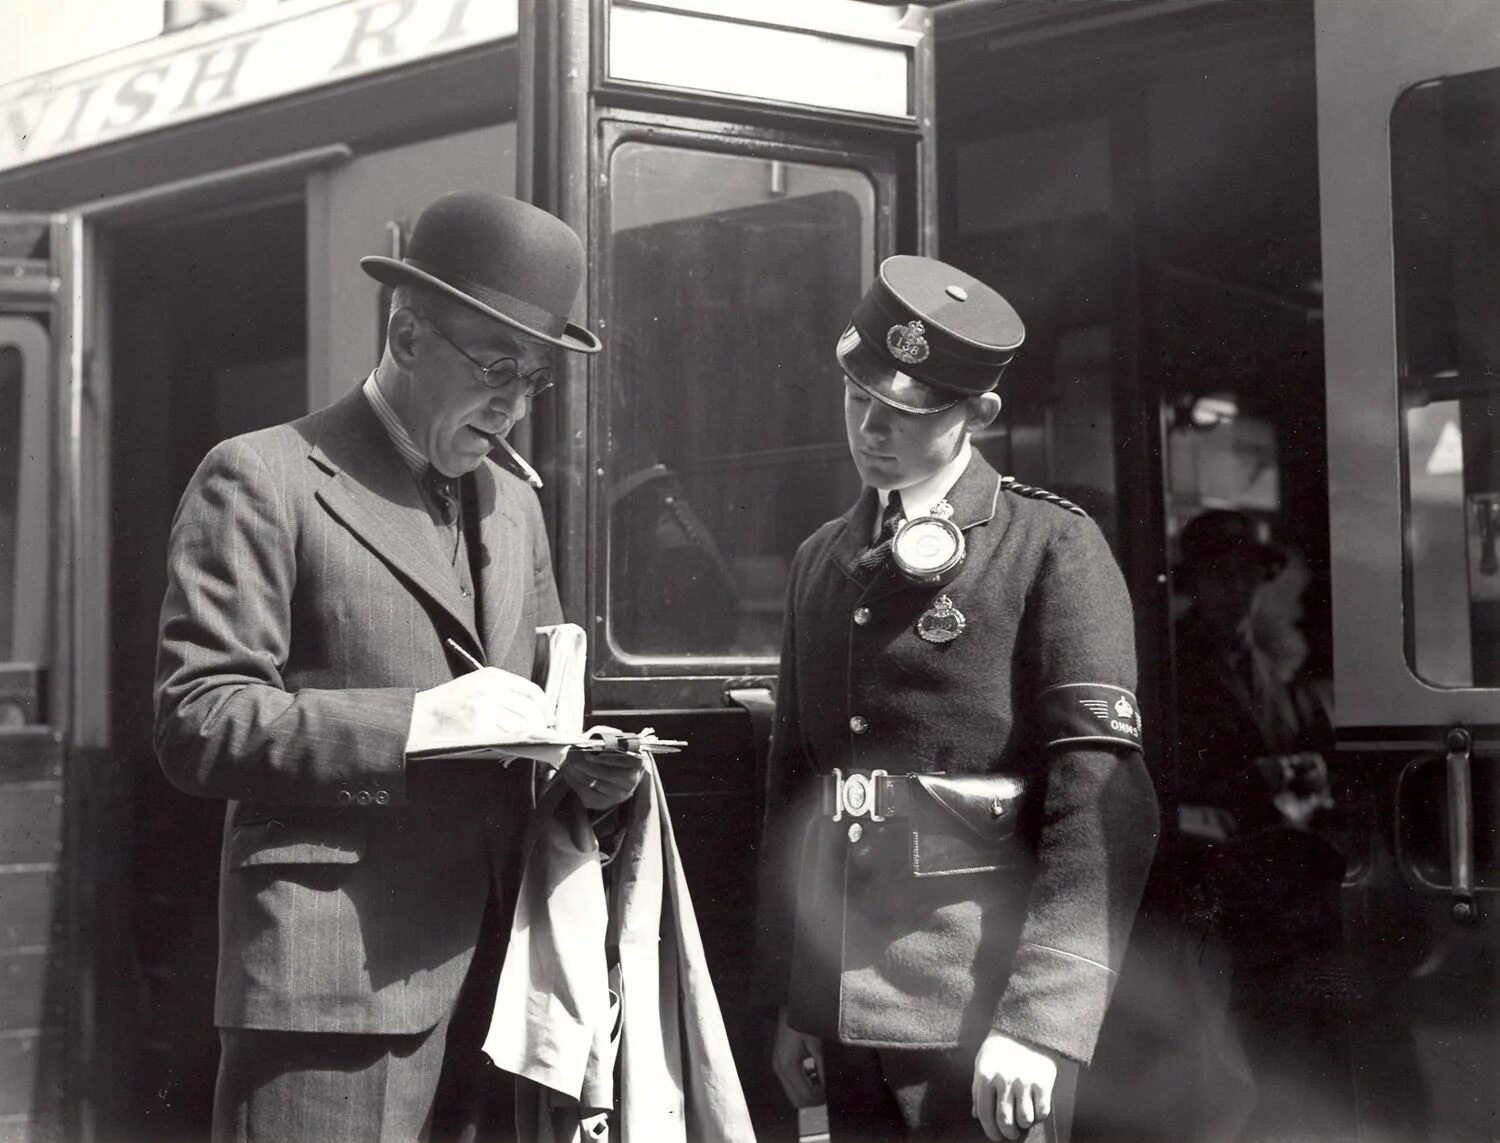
x: 959, y: 822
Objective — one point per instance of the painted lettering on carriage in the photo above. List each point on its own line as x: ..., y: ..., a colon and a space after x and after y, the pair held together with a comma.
x: 153, y: 85
x: 214, y: 70
x: 375, y: 24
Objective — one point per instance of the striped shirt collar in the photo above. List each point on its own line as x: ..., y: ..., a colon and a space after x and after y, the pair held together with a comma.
x: 411, y: 455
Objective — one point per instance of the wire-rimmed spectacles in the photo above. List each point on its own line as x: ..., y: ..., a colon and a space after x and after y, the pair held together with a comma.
x: 502, y: 372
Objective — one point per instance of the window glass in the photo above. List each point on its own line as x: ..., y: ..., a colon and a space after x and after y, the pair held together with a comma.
x: 10, y: 482
x: 25, y: 534
x: 732, y: 277
x: 1446, y: 220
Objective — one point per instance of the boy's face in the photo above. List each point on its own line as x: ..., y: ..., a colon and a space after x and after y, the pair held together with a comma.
x: 893, y: 449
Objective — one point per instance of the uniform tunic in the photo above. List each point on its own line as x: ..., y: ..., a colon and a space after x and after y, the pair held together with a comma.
x: 883, y: 940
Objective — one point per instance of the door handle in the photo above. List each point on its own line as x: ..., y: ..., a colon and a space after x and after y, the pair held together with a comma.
x: 1461, y: 825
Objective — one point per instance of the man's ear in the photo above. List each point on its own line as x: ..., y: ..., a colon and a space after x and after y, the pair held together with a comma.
x: 981, y: 411
x: 401, y: 337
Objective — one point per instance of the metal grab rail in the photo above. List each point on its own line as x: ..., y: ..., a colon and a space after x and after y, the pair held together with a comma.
x: 1461, y: 825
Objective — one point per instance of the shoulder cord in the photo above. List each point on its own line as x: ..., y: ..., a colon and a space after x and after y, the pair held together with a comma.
x: 1010, y: 484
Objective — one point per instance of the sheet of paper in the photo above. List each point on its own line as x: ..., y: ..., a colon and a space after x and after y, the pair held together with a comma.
x: 562, y: 660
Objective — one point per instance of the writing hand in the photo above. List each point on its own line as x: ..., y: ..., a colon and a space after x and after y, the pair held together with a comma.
x: 1012, y: 1086
x: 487, y: 705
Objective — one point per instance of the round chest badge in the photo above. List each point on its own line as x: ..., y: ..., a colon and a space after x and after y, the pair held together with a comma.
x: 927, y: 549
x: 942, y: 622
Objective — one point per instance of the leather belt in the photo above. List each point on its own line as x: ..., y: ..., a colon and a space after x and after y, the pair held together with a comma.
x: 872, y: 794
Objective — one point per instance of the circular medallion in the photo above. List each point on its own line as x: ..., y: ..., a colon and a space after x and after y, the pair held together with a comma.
x: 942, y: 622
x: 927, y: 548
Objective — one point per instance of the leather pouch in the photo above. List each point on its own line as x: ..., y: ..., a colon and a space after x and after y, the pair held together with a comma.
x: 964, y: 823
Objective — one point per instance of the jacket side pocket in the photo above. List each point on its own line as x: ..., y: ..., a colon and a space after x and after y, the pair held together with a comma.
x: 292, y: 842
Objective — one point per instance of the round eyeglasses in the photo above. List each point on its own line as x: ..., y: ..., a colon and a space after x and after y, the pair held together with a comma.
x: 502, y: 372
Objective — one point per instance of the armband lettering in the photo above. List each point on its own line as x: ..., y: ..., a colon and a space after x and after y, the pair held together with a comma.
x: 1089, y: 714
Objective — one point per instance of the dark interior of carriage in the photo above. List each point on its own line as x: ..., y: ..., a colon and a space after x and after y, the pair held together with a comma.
x: 210, y: 339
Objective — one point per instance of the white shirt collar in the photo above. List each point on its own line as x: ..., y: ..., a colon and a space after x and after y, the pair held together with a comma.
x: 918, y: 499
x: 411, y: 455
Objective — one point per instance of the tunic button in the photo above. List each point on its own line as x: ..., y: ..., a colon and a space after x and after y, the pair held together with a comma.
x: 856, y: 831
x: 861, y: 615
x: 363, y: 798
x: 381, y: 798
x: 858, y: 724
x: 345, y: 798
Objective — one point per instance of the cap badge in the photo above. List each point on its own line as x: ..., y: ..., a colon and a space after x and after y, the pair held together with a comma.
x: 907, y: 343
x: 942, y: 622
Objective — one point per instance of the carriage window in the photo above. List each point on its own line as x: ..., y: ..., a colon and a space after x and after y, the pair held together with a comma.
x: 1446, y: 205
x: 24, y: 531
x: 732, y: 278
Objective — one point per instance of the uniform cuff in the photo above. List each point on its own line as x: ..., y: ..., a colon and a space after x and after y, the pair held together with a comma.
x: 1055, y: 999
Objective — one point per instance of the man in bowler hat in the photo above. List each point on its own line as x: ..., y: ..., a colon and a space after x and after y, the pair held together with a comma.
x: 332, y: 584
x: 959, y: 819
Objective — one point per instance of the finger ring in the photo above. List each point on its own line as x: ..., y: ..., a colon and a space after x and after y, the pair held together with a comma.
x: 593, y: 783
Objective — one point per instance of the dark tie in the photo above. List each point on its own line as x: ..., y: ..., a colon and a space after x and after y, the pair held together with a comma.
x: 890, y: 520
x: 444, y: 493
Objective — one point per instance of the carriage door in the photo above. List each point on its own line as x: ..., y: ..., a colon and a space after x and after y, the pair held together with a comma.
x: 1409, y: 112
x: 736, y: 180
x: 47, y: 734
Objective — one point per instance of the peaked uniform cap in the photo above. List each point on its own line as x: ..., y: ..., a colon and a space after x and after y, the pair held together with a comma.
x: 507, y: 259
x: 926, y: 335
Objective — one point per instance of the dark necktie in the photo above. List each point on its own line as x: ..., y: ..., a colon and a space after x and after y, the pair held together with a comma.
x: 890, y: 520
x: 444, y: 493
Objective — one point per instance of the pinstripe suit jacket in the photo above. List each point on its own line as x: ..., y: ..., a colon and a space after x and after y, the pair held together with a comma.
x: 308, y: 599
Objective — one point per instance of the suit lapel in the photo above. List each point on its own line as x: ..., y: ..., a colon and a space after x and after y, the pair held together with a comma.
x: 504, y: 571
x: 373, y: 493
x: 852, y: 542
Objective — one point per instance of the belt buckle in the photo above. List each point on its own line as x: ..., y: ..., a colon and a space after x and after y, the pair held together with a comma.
x: 857, y: 795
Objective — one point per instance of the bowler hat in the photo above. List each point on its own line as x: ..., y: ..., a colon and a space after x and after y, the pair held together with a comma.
x: 505, y: 258
x: 1219, y: 533
x: 926, y: 335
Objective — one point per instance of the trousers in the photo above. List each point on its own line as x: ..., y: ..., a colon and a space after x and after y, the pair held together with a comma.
x: 890, y: 1094
x: 332, y: 1087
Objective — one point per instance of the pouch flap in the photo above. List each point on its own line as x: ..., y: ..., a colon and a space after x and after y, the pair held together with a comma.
x: 964, y: 823
x: 277, y: 841
x: 986, y: 805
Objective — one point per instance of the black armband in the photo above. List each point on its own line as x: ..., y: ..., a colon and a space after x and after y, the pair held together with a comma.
x: 1089, y: 714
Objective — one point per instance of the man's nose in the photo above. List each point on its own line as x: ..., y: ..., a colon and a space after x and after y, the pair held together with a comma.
x: 876, y: 421
x: 512, y: 401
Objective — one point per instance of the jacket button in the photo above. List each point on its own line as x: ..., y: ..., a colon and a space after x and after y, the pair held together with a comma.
x: 345, y: 798
x: 858, y: 724
x: 861, y: 616
x: 381, y: 797
x: 364, y: 798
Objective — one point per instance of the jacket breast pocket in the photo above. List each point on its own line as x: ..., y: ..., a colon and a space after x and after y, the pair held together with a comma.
x: 964, y: 823
x: 291, y: 841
